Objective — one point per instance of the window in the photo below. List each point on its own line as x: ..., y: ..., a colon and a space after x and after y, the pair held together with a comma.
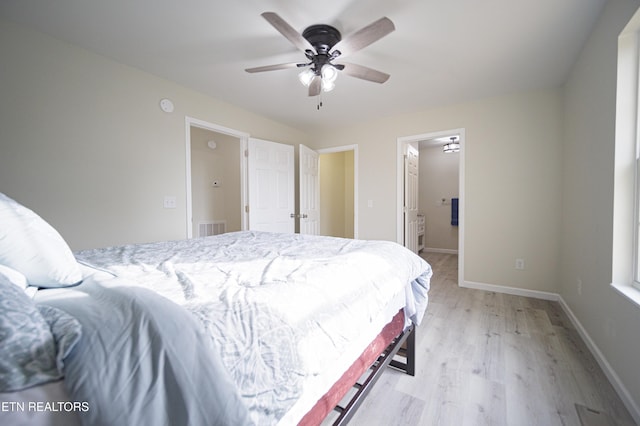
x: 626, y: 209
x: 636, y: 221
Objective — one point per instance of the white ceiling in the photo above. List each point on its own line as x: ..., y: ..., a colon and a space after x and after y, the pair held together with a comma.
x: 442, y: 52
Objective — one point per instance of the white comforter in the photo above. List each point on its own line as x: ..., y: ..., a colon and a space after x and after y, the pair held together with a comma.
x: 281, y: 307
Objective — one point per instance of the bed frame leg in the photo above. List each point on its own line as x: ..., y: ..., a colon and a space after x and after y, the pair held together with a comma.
x: 409, y: 353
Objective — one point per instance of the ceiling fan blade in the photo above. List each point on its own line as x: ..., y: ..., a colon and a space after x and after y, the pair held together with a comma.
x: 364, y: 36
x: 288, y: 31
x: 273, y: 67
x: 316, y: 86
x: 365, y: 73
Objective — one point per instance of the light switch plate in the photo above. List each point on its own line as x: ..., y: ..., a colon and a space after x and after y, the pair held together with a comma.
x: 169, y: 202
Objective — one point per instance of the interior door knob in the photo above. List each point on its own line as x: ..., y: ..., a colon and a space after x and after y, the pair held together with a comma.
x: 299, y: 216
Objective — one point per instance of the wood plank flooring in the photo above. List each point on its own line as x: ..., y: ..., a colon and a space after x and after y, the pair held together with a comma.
x: 487, y: 358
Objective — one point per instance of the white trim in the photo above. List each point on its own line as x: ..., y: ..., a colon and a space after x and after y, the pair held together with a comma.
x: 243, y: 137
x: 342, y: 148
x: 630, y: 292
x: 188, y: 200
x: 544, y: 295
x: 400, y: 143
x: 353, y: 148
x: 439, y: 250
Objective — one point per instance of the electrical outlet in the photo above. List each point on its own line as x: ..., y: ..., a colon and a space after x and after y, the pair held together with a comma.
x: 579, y: 286
x: 520, y: 264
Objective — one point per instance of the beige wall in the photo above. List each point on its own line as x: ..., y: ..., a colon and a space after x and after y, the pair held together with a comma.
x: 221, y: 203
x: 336, y: 194
x: 438, y: 179
x: 84, y: 143
x: 611, y: 321
x: 349, y: 195
x: 513, y: 166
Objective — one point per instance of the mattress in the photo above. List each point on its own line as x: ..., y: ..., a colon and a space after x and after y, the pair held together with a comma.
x: 316, y: 386
x: 280, y: 316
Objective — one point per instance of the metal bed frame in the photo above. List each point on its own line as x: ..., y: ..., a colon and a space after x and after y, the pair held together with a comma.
x: 385, y: 359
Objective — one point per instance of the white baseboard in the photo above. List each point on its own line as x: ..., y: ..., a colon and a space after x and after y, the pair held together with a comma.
x: 617, y: 384
x: 439, y: 250
x: 512, y: 290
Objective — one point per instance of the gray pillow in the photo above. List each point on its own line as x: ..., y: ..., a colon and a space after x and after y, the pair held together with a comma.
x: 32, y: 345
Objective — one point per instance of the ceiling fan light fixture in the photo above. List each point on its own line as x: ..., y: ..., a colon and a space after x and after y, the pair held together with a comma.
x: 327, y: 85
x: 306, y: 76
x: 329, y: 73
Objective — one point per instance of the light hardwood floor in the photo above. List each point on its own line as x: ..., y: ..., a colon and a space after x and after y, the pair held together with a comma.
x: 486, y: 358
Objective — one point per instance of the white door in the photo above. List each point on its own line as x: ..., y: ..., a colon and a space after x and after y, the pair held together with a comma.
x: 271, y: 186
x: 309, y: 191
x: 411, y: 167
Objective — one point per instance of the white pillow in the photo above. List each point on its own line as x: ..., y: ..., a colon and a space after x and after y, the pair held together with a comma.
x: 14, y: 276
x: 31, y: 246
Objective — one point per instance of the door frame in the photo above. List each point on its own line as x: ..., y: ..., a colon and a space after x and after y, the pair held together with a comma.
x: 344, y: 148
x: 400, y: 144
x: 244, y: 140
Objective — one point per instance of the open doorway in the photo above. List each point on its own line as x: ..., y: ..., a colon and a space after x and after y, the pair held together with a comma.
x: 216, y: 205
x: 431, y: 146
x: 339, y: 191
x: 215, y: 177
x: 438, y: 195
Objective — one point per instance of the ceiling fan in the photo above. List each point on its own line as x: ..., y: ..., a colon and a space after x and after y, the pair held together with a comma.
x: 322, y: 44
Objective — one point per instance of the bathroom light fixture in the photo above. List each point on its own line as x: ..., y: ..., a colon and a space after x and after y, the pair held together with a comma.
x: 453, y: 146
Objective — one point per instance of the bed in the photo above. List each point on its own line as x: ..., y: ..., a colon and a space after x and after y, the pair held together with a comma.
x: 243, y: 328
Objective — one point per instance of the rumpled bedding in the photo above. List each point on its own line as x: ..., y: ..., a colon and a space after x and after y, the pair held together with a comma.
x: 276, y: 309
x: 142, y: 360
